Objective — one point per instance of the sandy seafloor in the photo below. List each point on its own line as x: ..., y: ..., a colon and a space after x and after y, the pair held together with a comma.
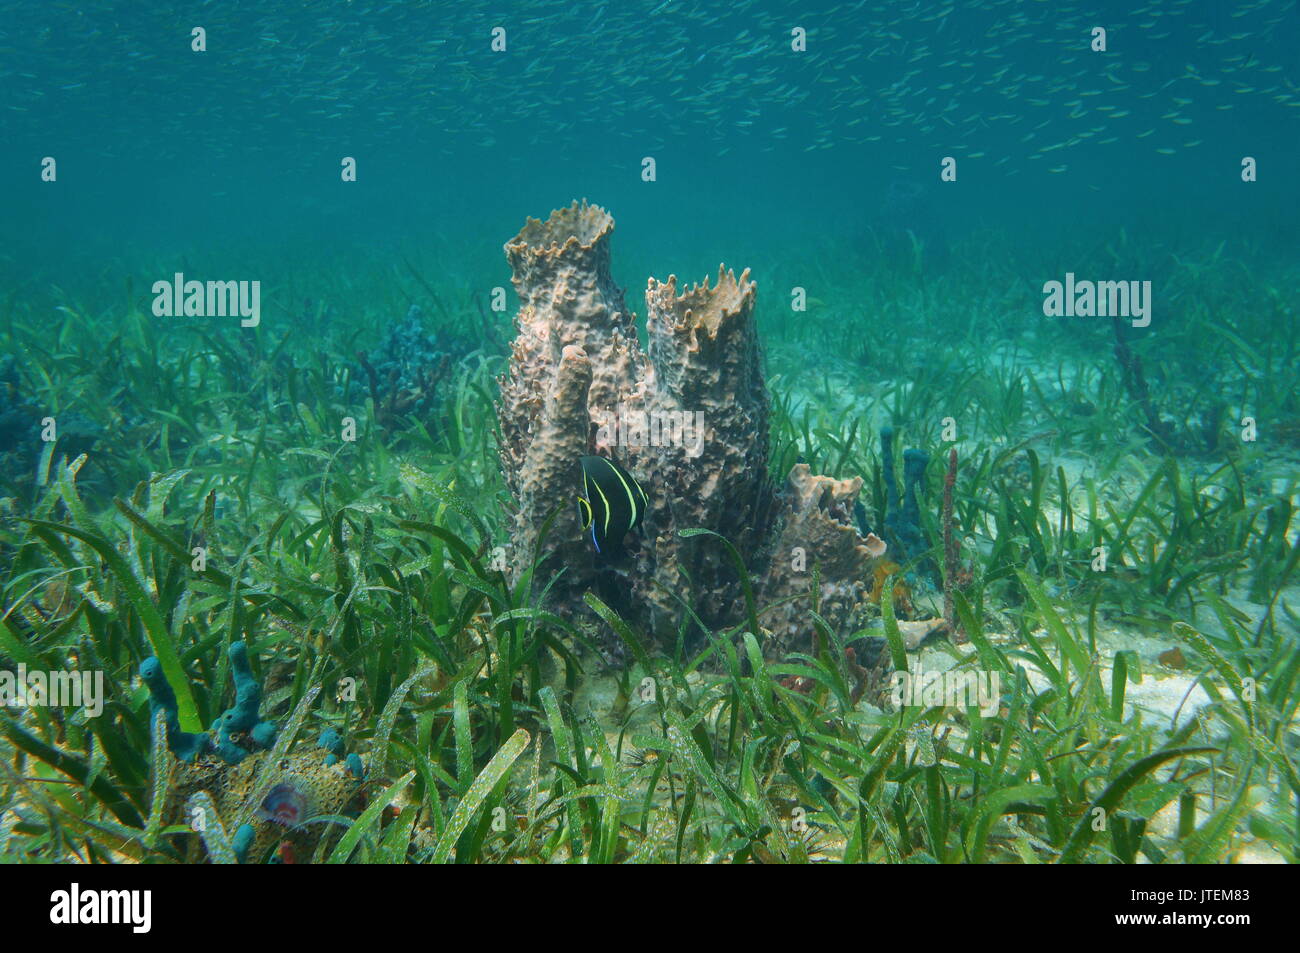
x: 1164, y: 696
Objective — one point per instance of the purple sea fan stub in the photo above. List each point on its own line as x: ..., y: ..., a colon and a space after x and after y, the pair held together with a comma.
x: 285, y: 805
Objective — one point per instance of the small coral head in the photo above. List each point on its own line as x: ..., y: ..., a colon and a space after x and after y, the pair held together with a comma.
x: 284, y: 804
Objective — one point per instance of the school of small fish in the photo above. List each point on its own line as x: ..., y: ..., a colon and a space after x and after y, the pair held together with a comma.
x: 1008, y: 82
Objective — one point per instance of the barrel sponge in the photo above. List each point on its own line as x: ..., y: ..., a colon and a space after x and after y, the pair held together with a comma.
x: 577, y: 365
x: 816, y: 530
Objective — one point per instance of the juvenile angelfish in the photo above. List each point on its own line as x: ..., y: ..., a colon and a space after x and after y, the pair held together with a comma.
x: 611, y: 505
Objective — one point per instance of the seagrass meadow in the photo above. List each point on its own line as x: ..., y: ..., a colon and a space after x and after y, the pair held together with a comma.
x: 323, y: 557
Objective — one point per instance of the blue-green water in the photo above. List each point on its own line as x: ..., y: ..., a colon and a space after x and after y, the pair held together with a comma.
x: 359, y: 493
x: 758, y: 147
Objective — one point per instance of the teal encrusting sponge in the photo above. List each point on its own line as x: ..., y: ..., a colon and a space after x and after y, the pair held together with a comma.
x: 183, y: 745
x: 356, y: 767
x: 332, y: 742
x: 242, y: 841
x: 231, y: 726
x: 242, y: 718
